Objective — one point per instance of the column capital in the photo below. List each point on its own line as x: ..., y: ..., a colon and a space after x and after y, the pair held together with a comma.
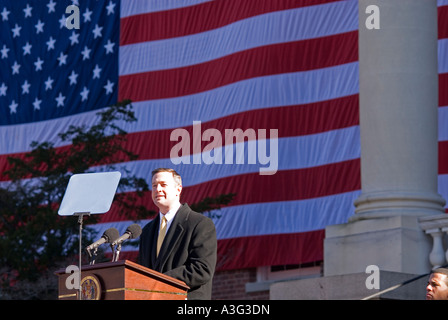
x: 372, y: 205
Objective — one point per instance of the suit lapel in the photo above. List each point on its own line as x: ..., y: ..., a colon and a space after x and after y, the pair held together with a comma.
x: 172, y: 237
x: 154, y: 233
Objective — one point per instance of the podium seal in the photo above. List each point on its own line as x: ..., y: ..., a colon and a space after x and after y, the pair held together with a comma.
x: 90, y: 288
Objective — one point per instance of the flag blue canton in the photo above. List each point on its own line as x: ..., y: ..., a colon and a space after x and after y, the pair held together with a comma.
x: 49, y: 71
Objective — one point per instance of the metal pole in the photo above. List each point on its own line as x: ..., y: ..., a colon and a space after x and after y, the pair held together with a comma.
x: 80, y: 221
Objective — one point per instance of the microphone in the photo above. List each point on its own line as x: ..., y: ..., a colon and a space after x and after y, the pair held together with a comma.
x: 132, y: 232
x: 108, y: 236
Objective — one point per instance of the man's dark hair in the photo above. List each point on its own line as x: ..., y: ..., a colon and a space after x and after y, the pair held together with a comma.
x: 441, y: 271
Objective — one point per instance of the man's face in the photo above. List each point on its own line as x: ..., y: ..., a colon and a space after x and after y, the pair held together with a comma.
x: 437, y: 288
x: 165, y: 191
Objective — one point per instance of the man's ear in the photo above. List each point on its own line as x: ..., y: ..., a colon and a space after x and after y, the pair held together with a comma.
x: 179, y: 189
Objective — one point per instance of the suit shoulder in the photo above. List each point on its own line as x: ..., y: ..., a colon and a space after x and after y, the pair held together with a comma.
x: 150, y: 223
x: 195, y: 216
x: 148, y: 226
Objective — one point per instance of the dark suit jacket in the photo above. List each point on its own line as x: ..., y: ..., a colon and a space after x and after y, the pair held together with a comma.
x: 188, y: 252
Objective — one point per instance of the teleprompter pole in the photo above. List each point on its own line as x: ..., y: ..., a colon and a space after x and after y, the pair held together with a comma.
x: 80, y: 222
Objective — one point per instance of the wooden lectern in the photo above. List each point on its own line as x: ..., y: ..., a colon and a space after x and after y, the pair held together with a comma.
x: 122, y: 280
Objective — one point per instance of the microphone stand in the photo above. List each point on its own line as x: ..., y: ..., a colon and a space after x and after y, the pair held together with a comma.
x: 92, y: 256
x: 116, y: 253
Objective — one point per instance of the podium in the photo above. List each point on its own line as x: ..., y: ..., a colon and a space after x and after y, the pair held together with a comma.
x: 121, y: 280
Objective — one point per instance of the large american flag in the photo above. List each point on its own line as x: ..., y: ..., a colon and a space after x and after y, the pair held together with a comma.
x: 290, y: 65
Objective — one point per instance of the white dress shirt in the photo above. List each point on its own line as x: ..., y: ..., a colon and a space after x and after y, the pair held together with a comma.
x: 169, y: 217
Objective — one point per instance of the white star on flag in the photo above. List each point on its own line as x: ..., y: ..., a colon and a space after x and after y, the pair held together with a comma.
x: 44, y: 66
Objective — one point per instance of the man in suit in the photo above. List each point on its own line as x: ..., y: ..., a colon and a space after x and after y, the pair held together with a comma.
x: 188, y: 250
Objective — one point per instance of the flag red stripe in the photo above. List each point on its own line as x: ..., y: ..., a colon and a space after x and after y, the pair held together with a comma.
x: 443, y: 157
x: 309, y: 183
x: 267, y: 60
x: 289, y: 120
x: 312, y: 182
x: 268, y: 250
x: 442, y: 22
x: 443, y: 89
x: 195, y: 19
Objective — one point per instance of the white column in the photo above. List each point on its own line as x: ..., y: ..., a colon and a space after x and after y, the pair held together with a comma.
x: 398, y: 84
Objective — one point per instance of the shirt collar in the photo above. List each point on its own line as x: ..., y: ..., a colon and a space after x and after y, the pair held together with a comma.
x: 170, y: 214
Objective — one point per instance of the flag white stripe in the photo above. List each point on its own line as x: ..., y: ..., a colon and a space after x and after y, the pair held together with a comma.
x: 334, y: 146
x: 133, y: 7
x: 443, y: 123
x: 259, y: 219
x: 443, y: 55
x: 443, y: 186
x: 269, y: 91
